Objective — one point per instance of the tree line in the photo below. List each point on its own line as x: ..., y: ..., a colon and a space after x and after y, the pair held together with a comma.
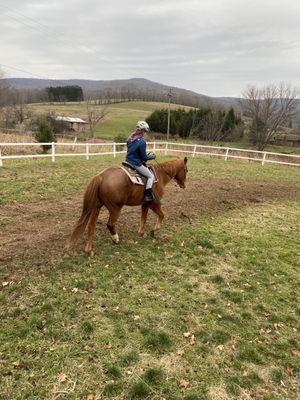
x: 64, y: 93
x: 209, y: 123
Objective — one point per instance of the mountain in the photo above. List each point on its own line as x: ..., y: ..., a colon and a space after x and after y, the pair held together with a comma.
x: 98, y: 85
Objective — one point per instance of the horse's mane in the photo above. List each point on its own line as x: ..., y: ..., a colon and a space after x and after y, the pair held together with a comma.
x: 166, y: 166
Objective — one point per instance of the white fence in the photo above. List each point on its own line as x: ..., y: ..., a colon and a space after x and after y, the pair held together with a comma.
x: 95, y: 149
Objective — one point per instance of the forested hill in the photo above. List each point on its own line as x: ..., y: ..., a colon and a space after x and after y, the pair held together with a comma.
x: 133, y: 86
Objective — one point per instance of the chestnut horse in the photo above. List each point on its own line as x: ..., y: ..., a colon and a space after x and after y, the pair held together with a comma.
x: 113, y: 189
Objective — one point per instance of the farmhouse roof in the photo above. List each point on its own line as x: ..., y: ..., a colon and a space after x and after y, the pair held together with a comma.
x: 70, y: 119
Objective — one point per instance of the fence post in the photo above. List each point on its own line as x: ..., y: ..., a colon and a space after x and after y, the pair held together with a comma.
x: 166, y: 149
x: 75, y: 140
x: 1, y: 162
x: 154, y: 147
x: 115, y: 154
x: 87, y: 148
x: 194, y: 152
x: 53, y: 151
x: 226, y: 154
x: 264, y: 158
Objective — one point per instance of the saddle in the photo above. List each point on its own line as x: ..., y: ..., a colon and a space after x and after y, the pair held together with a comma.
x: 135, y: 176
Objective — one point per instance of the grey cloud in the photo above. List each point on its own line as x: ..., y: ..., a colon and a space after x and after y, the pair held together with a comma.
x: 216, y: 47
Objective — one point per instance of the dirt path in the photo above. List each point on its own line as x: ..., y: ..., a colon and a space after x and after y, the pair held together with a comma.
x: 44, y: 227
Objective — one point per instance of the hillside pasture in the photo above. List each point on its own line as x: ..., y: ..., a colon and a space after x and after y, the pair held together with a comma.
x: 120, y: 119
x: 209, y: 309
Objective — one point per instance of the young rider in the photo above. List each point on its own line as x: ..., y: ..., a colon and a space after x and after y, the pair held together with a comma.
x: 137, y: 156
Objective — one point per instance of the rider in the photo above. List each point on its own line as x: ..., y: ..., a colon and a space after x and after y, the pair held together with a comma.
x: 137, y: 156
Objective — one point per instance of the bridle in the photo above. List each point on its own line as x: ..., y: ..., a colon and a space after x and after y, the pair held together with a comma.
x: 167, y: 173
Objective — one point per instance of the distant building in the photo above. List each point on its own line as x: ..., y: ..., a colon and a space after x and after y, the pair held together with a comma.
x: 287, y: 140
x: 76, y: 124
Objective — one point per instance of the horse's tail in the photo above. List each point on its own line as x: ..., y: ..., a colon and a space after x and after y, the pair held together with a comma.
x: 91, y: 202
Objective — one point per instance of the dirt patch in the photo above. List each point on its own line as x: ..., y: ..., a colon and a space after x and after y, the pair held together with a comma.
x: 43, y: 227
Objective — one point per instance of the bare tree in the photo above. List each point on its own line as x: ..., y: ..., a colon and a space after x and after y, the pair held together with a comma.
x: 210, y: 125
x: 270, y: 109
x: 7, y: 117
x: 95, y: 114
x: 5, y: 91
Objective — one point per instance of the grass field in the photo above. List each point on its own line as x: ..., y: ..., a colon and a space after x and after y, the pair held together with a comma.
x: 209, y: 309
x: 120, y: 120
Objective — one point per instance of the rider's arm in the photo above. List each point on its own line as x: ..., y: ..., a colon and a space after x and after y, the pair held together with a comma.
x: 144, y: 155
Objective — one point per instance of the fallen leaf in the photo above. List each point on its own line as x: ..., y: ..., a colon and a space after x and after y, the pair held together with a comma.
x: 62, y: 377
x: 220, y: 347
x: 136, y: 317
x: 183, y: 384
x: 187, y: 334
x: 75, y: 290
x: 16, y: 364
x: 90, y: 397
x: 296, y: 353
x: 180, y: 352
x: 192, y: 340
x: 289, y: 371
x: 108, y: 345
x: 5, y: 284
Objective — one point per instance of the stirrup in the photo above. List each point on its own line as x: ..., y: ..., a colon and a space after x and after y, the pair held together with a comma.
x: 149, y: 196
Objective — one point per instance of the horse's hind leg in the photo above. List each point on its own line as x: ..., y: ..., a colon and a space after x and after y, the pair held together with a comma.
x: 114, y: 213
x: 145, y: 209
x: 91, y: 230
x: 156, y: 208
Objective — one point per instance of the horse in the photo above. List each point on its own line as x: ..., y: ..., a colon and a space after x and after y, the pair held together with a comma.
x: 113, y: 189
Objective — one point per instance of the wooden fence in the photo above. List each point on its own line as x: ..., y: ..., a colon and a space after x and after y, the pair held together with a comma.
x: 10, y: 151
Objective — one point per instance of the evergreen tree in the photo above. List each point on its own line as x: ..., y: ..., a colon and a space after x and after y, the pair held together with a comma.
x: 44, y: 134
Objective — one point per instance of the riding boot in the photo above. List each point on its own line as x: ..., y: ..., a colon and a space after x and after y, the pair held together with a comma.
x: 149, y: 196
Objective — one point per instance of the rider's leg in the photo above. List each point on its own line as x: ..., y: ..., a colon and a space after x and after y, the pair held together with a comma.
x: 148, y: 174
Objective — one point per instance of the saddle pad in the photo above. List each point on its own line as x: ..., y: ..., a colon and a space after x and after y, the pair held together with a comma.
x: 137, y: 178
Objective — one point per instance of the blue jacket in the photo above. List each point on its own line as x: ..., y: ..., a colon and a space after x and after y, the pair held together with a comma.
x: 136, y: 152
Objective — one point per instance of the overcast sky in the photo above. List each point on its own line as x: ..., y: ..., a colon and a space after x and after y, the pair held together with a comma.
x: 214, y: 47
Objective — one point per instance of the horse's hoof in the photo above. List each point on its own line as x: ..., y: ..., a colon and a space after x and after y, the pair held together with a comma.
x: 115, y: 238
x: 153, y: 233
x: 141, y: 233
x: 92, y: 253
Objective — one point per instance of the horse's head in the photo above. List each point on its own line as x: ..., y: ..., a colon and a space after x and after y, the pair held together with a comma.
x: 180, y: 176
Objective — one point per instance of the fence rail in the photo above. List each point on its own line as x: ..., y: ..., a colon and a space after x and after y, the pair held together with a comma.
x: 166, y: 148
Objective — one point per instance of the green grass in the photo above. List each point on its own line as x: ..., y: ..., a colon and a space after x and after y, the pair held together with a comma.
x: 116, y: 325
x: 37, y: 180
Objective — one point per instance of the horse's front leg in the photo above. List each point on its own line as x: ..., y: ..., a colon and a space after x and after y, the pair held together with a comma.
x: 145, y: 209
x: 156, y: 208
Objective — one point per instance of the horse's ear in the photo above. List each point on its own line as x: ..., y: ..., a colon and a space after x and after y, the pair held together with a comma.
x: 185, y: 160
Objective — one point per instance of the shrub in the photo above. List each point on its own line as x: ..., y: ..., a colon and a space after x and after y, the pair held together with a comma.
x: 44, y: 133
